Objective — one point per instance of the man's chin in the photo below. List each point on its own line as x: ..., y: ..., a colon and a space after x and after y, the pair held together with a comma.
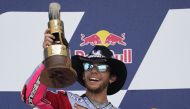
x: 94, y: 89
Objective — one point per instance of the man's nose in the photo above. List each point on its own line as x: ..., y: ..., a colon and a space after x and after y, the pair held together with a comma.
x: 94, y: 70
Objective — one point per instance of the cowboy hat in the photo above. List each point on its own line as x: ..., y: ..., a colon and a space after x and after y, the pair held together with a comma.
x: 104, y: 55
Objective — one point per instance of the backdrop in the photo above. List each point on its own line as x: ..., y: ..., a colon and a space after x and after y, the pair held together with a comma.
x: 150, y: 36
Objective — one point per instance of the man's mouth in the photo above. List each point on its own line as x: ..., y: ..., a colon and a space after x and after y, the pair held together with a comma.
x: 94, y: 79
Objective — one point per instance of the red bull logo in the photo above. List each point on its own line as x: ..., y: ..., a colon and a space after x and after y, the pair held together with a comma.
x: 103, y: 37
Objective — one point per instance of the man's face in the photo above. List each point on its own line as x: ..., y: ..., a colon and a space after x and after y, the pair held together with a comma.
x: 96, y: 78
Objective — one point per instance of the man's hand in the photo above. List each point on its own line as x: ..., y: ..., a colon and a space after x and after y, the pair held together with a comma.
x: 48, y: 38
x: 79, y: 107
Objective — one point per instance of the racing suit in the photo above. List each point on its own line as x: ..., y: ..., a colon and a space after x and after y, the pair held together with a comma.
x: 36, y: 94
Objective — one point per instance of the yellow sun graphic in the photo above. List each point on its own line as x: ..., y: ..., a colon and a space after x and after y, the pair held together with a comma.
x: 103, y: 34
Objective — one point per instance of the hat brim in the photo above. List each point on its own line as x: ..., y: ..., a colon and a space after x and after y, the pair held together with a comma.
x: 117, y: 68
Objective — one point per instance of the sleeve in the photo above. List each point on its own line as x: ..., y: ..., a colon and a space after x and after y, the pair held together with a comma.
x: 34, y: 91
x: 36, y: 94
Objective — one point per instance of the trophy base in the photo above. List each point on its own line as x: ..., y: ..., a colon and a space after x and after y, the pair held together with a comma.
x: 58, y: 72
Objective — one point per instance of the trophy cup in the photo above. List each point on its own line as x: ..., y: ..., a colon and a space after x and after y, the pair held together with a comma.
x: 58, y: 71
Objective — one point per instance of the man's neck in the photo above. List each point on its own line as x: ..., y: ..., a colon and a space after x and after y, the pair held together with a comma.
x: 98, y: 97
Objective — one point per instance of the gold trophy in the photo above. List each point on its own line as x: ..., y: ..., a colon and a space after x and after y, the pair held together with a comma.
x: 58, y: 72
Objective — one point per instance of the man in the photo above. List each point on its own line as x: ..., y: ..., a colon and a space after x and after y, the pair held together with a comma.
x: 98, y: 72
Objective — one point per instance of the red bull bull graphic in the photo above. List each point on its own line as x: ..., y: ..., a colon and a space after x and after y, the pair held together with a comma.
x: 112, y: 39
x: 92, y: 40
x: 103, y: 37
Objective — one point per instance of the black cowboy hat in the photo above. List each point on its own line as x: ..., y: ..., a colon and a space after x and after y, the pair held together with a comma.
x: 102, y: 54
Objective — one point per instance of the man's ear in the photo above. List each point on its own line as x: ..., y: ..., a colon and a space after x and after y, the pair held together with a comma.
x: 112, y: 78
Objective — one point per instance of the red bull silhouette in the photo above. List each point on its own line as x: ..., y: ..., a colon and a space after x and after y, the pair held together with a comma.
x: 112, y: 39
x: 92, y: 40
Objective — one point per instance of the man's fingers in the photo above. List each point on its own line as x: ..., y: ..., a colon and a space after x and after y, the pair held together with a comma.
x: 47, y: 31
x: 46, y: 44
x: 49, y: 36
x: 48, y: 39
